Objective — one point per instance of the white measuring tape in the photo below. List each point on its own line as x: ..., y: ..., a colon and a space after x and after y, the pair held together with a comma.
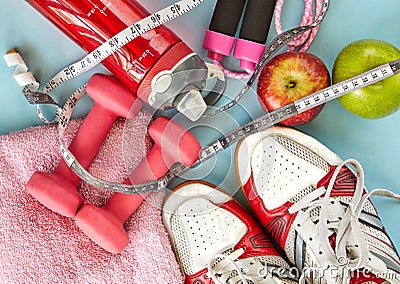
x: 20, y: 73
x: 268, y: 120
x: 118, y: 41
x: 264, y: 122
x: 226, y: 141
x: 141, y: 27
x: 103, y: 51
x: 113, y: 45
x: 27, y: 80
x: 277, y: 44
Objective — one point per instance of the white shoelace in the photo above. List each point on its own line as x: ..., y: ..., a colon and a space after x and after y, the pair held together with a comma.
x: 226, y: 263
x: 347, y: 227
x: 222, y: 268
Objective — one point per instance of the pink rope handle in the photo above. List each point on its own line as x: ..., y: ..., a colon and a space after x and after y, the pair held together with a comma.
x: 303, y: 41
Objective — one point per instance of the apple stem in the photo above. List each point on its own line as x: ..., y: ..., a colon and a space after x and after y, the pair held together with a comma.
x: 291, y: 85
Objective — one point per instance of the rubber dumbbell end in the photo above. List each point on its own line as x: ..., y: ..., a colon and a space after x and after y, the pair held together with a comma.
x: 102, y: 228
x: 55, y: 193
x: 172, y: 143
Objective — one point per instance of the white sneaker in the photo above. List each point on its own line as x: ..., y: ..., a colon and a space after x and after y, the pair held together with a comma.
x: 315, y: 207
x: 217, y: 241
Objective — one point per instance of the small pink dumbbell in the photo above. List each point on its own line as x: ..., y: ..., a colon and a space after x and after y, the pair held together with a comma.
x: 172, y: 143
x: 57, y: 190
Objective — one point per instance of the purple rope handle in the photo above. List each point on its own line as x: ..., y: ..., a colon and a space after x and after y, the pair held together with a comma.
x: 303, y: 41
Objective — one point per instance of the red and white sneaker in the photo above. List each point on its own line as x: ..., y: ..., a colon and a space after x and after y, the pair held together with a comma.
x: 217, y: 241
x: 316, y: 208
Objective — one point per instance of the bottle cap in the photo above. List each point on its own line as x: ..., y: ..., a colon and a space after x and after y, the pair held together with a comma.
x: 191, y: 104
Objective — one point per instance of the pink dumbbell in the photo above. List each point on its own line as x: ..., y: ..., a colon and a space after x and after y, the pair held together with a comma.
x: 57, y: 190
x: 172, y: 143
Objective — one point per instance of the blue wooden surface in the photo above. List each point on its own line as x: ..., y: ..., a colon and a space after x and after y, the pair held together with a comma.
x: 373, y: 142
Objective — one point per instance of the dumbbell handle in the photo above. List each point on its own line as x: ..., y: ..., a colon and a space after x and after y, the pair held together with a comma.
x: 172, y: 143
x: 152, y: 167
x: 88, y: 140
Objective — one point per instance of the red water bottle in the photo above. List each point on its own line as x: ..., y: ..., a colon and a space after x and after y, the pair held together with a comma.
x: 147, y: 64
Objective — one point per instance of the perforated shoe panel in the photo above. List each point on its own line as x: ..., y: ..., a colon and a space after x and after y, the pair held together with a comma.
x: 245, y: 148
x: 282, y: 168
x: 195, y: 246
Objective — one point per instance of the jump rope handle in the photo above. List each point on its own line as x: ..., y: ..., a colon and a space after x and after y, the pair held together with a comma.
x: 254, y: 32
x: 220, y: 37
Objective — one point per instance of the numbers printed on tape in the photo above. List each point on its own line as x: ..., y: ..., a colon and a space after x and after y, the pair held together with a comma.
x: 268, y: 120
x: 262, y: 123
x: 347, y: 86
x: 116, y: 42
x: 224, y: 142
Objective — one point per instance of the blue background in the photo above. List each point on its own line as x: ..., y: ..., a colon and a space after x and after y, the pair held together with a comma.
x: 373, y: 142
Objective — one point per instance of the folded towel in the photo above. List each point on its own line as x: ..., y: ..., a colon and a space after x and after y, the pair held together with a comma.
x: 40, y: 246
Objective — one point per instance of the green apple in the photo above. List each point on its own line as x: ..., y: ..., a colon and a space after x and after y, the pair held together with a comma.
x: 379, y: 99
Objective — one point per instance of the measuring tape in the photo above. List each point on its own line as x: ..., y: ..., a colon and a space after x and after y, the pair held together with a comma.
x: 133, y: 31
x: 262, y: 123
x: 268, y: 120
x: 103, y: 51
x: 123, y: 38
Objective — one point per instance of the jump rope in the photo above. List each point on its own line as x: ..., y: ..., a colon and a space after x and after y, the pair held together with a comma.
x: 248, y: 47
x: 302, y: 35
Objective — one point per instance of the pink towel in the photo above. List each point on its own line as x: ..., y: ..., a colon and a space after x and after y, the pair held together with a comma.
x: 40, y: 246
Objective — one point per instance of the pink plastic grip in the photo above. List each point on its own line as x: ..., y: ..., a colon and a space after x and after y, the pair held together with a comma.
x: 248, y: 52
x: 218, y: 44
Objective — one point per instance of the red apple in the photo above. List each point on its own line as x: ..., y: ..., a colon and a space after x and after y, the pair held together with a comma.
x: 288, y: 77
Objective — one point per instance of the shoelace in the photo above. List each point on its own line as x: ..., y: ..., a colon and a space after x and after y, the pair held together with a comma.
x: 225, y: 267
x: 225, y: 263
x: 347, y: 227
